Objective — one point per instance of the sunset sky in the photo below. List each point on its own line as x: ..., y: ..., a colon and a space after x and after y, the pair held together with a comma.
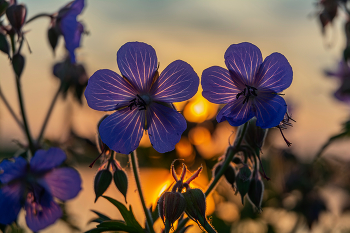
x: 198, y: 32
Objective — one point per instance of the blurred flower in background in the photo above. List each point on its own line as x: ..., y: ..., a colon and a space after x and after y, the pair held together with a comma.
x: 34, y: 186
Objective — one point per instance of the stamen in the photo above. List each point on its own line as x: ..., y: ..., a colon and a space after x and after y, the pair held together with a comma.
x: 247, y: 92
x: 138, y: 102
x: 285, y: 139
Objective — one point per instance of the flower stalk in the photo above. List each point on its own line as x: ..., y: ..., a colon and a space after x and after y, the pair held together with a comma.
x: 133, y: 158
x: 53, y: 102
x: 228, y: 159
x: 8, y: 106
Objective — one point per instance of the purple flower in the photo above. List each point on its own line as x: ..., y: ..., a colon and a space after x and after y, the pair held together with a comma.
x: 143, y: 99
x: 69, y: 27
x: 34, y: 185
x: 343, y: 73
x: 249, y: 87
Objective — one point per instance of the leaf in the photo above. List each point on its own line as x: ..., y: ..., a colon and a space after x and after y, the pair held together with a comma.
x: 183, y: 230
x: 155, y: 213
x: 102, y: 216
x: 4, y: 45
x: 97, y: 230
x: 115, y: 225
x: 128, y: 215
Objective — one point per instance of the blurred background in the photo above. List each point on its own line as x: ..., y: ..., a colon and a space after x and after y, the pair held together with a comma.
x: 300, y: 193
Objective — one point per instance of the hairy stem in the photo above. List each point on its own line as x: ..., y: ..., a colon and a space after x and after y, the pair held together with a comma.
x: 53, y: 102
x: 8, y: 106
x: 228, y: 158
x: 133, y: 158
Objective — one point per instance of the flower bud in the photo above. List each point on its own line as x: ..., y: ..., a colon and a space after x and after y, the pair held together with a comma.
x: 71, y: 75
x: 18, y: 62
x: 3, y: 6
x: 121, y: 181
x: 53, y: 36
x: 16, y: 15
x: 255, y: 135
x: 102, y: 181
x: 171, y: 205
x: 229, y: 174
x: 256, y: 191
x: 195, y: 204
x: 243, y: 181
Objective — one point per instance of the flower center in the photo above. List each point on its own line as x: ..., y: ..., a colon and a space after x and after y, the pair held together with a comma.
x: 33, y: 205
x: 140, y: 102
x: 248, y: 92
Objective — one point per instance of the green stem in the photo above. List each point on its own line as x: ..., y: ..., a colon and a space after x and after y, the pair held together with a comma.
x: 167, y: 226
x: 228, y: 158
x: 53, y: 102
x: 8, y: 106
x: 134, y: 164
x: 13, y: 44
x: 204, y: 223
x: 25, y: 122
x: 38, y: 16
x: 21, y: 104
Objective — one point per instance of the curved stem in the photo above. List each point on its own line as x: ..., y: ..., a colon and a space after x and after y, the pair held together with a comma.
x: 38, y: 16
x: 133, y: 158
x: 228, y: 158
x: 25, y: 122
x: 8, y: 106
x: 333, y: 138
x: 53, y: 102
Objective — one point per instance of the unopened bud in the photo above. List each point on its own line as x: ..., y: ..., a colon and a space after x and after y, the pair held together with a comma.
x: 53, y: 36
x: 102, y: 181
x: 18, y: 63
x: 256, y: 191
x: 255, y: 135
x: 3, y: 6
x: 121, y: 181
x: 243, y: 181
x: 229, y: 174
x: 195, y: 204
x: 16, y: 15
x: 171, y: 205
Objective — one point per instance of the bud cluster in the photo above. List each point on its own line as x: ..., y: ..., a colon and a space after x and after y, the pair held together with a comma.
x: 245, y: 177
x: 182, y: 198
x: 104, y: 175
